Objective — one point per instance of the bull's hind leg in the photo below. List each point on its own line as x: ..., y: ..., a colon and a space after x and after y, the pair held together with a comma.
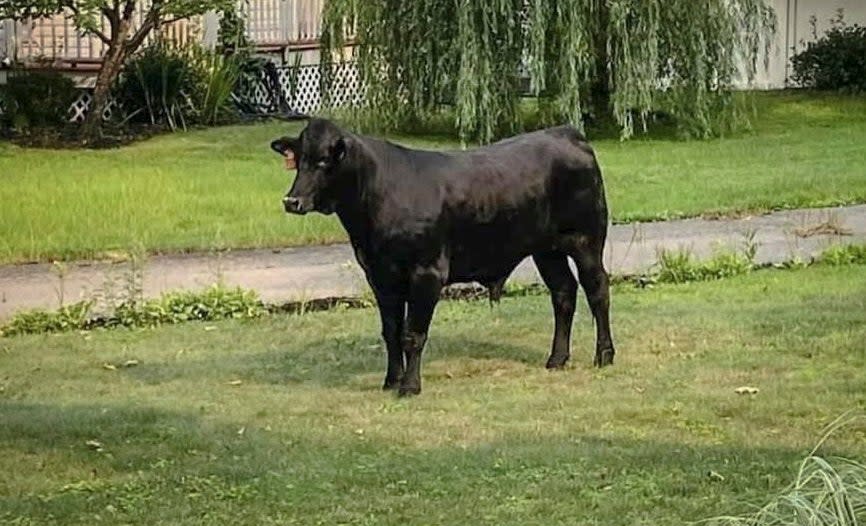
x: 554, y: 270
x: 594, y: 280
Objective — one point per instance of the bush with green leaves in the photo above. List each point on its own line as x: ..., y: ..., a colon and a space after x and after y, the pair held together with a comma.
x: 37, y: 99
x: 217, y: 76
x: 843, y: 255
x: 215, y: 303
x: 218, y: 302
x: 66, y: 318
x: 177, y: 85
x: 680, y: 266
x: 836, y: 61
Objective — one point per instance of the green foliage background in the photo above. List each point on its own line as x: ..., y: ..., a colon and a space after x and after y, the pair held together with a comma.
x: 619, y: 58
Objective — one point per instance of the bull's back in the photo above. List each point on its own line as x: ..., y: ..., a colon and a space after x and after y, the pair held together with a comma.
x: 517, y: 197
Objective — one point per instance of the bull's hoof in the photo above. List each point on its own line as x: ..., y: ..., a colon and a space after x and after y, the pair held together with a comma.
x: 409, y: 390
x: 557, y: 361
x: 603, y: 357
x: 390, y: 385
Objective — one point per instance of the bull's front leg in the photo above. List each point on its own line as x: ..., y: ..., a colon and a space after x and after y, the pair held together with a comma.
x: 424, y: 289
x: 392, y: 310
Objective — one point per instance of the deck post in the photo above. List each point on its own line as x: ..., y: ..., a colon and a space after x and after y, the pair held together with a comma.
x: 7, y: 41
x: 210, y: 24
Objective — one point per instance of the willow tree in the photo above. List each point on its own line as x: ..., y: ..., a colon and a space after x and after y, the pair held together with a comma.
x: 621, y: 58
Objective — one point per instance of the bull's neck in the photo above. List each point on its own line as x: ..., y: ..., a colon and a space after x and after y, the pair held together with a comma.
x: 353, y: 206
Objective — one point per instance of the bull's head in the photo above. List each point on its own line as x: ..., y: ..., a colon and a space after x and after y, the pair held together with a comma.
x: 317, y: 156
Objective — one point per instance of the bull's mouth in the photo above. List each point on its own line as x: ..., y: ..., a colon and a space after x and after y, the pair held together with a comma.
x: 300, y: 206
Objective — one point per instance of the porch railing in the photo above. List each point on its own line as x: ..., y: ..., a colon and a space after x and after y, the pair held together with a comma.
x: 269, y: 23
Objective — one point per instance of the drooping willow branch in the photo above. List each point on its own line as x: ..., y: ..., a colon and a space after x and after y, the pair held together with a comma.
x: 622, y: 58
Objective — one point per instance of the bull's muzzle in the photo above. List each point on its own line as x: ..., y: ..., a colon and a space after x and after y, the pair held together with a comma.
x: 294, y: 205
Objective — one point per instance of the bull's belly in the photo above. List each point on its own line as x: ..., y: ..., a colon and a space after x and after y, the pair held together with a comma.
x: 484, y: 266
x: 489, y: 252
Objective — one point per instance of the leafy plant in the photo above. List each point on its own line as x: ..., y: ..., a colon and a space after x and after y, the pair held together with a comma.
x: 37, y: 99
x: 176, y: 85
x: 216, y: 75
x: 232, y: 33
x: 153, y: 84
x: 836, y: 61
x: 217, y: 302
x: 680, y: 266
x: 214, y: 303
x: 843, y: 255
x: 66, y: 318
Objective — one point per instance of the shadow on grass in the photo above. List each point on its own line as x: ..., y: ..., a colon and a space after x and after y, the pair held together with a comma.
x: 331, y: 362
x: 174, y: 468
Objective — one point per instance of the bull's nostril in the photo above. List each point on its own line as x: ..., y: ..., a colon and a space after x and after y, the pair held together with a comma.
x: 292, y: 204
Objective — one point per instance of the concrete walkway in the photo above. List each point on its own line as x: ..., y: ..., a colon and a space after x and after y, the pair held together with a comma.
x: 316, y: 272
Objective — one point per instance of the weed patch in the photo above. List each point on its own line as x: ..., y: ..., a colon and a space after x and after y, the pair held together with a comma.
x: 217, y: 302
x: 843, y: 255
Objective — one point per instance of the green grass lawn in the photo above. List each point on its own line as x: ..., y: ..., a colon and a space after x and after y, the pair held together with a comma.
x: 221, y: 188
x: 281, y: 420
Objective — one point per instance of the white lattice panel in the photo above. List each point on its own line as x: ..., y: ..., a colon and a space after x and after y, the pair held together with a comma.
x: 78, y: 110
x: 301, y: 88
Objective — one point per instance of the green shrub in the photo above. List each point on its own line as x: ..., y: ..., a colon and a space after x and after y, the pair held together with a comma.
x: 152, y: 85
x: 679, y: 266
x: 843, y: 255
x: 217, y: 302
x: 836, y: 61
x: 177, y: 85
x: 216, y: 78
x: 67, y: 318
x: 37, y: 99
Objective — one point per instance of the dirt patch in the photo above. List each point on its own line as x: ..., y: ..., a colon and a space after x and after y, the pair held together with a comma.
x: 826, y: 228
x: 67, y: 137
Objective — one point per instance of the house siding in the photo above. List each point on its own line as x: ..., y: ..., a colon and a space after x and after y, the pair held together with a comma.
x: 794, y: 31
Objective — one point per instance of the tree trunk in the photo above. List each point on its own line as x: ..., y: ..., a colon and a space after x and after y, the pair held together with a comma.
x: 111, y: 67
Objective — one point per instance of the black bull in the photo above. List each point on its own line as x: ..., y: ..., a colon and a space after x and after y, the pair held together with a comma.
x: 420, y: 220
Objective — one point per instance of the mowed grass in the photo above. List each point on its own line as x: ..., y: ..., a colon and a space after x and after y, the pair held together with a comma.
x: 221, y: 188
x: 281, y: 421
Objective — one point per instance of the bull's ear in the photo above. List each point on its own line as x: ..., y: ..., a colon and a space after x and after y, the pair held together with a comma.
x: 338, y: 150
x: 285, y: 146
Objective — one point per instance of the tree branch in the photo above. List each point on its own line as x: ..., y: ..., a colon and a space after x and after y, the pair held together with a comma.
x: 101, y: 36
x: 150, y: 21
x: 111, y: 14
x: 168, y: 21
x: 69, y: 4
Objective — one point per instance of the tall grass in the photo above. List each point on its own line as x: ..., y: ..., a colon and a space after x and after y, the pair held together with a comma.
x: 825, y: 492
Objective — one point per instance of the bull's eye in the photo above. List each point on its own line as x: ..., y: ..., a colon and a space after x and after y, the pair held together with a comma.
x: 322, y: 163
